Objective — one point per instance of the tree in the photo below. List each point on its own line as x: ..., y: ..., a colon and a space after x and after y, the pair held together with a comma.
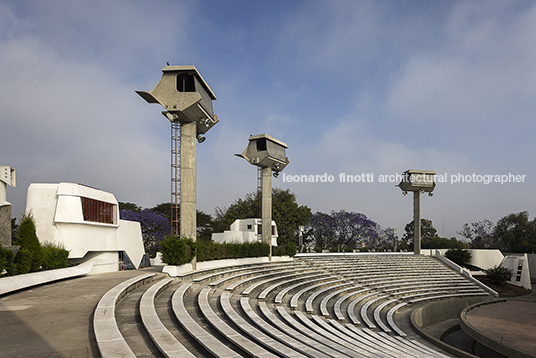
x: 458, y: 256
x: 499, y: 274
x: 443, y: 243
x: 30, y: 254
x: 154, y: 227
x: 164, y: 209
x: 480, y: 235
x: 428, y: 232
x: 321, y: 231
x: 7, y: 262
x: 289, y: 216
x: 205, y: 224
x: 286, y: 212
x: 344, y: 230
x: 130, y: 206
x: 516, y: 232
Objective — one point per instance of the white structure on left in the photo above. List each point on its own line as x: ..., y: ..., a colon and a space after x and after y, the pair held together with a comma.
x: 86, y: 221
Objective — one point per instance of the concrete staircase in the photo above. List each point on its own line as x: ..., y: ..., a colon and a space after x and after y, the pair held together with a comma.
x: 355, y: 306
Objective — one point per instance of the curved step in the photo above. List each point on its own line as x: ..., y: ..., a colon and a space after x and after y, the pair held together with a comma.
x: 227, y: 331
x: 208, y: 341
x: 160, y: 335
x: 281, y: 336
x: 110, y: 341
x: 255, y: 333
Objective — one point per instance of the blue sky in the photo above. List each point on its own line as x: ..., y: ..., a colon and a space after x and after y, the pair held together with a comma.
x: 351, y: 86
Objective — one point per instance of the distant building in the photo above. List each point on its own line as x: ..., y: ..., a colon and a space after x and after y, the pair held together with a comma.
x: 86, y: 221
x: 245, y: 230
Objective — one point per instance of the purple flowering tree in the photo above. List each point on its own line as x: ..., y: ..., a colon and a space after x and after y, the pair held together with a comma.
x: 342, y: 229
x: 481, y: 235
x: 320, y: 230
x: 154, y: 227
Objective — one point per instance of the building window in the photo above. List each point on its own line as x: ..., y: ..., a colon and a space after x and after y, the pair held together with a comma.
x: 250, y: 227
x: 97, y: 211
x: 259, y: 230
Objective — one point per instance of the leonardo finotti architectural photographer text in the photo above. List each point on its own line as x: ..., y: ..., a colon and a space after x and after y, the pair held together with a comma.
x: 397, y: 178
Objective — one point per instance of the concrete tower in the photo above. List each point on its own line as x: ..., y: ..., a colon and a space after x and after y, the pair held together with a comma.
x: 419, y: 182
x: 269, y: 154
x: 188, y: 102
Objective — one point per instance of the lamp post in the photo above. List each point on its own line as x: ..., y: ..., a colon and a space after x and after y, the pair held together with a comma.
x: 187, y: 99
x: 419, y: 182
x: 268, y: 153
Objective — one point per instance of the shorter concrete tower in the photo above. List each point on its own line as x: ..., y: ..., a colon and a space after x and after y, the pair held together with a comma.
x: 419, y: 182
x: 269, y: 154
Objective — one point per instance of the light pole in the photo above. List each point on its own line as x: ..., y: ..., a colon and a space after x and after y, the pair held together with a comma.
x: 187, y: 99
x: 268, y: 153
x: 419, y: 182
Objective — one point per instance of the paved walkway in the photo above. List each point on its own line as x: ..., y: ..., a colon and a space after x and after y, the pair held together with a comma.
x: 510, y: 322
x: 31, y: 326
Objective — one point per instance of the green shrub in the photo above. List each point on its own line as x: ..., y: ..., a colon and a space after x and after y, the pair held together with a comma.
x: 286, y: 250
x: 30, y: 253
x: 23, y: 261
x: 458, y: 256
x: 209, y: 250
x: 177, y: 251
x: 499, y: 274
x: 55, y: 256
x: 7, y: 262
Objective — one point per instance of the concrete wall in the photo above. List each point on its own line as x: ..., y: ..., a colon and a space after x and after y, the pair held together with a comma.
x: 520, y: 277
x: 532, y: 265
x: 439, y: 311
x: 482, y: 258
x: 57, y: 209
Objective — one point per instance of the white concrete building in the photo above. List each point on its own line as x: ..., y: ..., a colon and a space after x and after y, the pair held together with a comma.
x: 245, y: 230
x: 519, y: 264
x: 86, y: 221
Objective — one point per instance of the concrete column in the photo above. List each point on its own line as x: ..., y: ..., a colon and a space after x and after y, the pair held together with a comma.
x: 187, y: 205
x: 417, y: 222
x: 267, y: 207
x: 5, y: 217
x: 5, y: 224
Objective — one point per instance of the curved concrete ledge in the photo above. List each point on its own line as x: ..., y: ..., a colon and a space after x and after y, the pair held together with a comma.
x: 439, y: 311
x: 109, y: 339
x: 20, y: 282
x: 174, y: 271
x: 504, y: 329
x: 161, y: 336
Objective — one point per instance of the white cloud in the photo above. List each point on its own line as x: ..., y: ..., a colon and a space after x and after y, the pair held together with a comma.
x: 484, y: 71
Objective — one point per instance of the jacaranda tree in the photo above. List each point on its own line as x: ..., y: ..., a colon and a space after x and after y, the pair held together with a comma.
x: 344, y: 230
x: 154, y: 227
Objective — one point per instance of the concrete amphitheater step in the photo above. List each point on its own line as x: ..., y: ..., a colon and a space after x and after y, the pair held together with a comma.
x: 165, y: 312
x: 131, y: 327
x: 161, y: 336
x: 185, y: 309
x: 110, y: 339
